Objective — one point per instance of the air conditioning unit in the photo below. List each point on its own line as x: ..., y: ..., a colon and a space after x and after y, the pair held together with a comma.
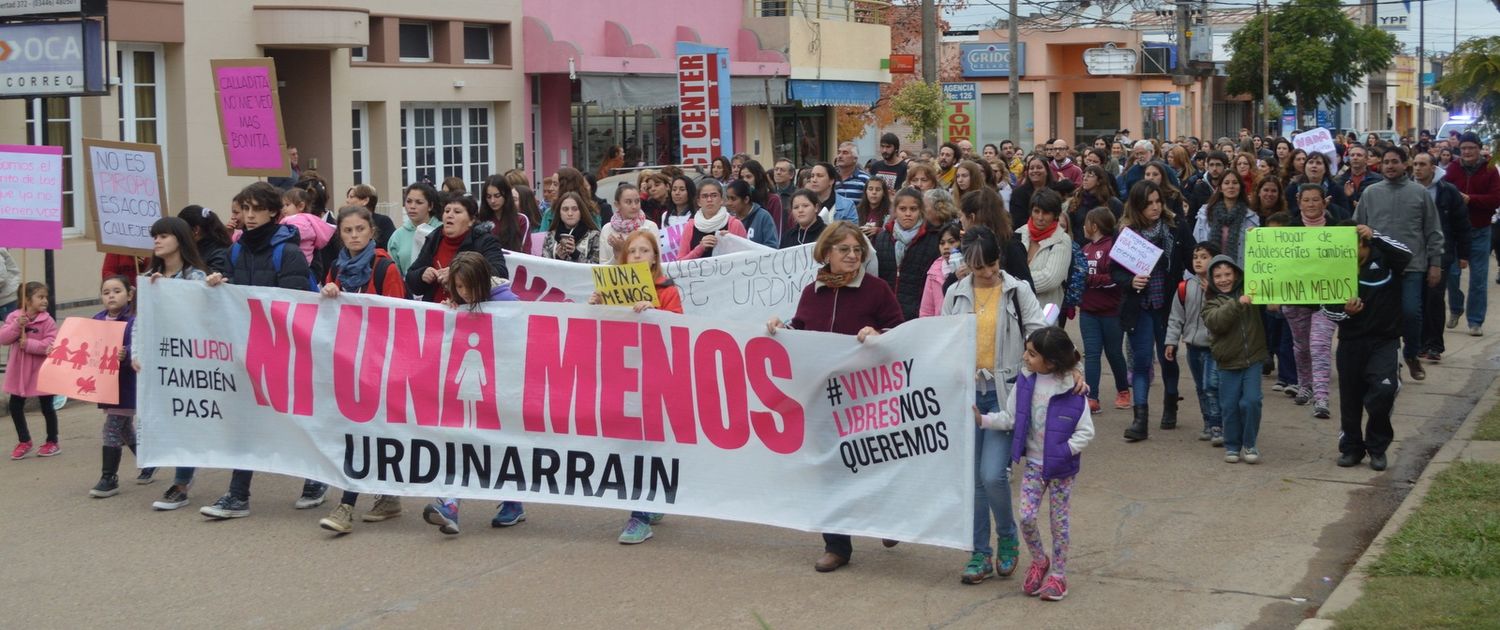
x: 1156, y: 60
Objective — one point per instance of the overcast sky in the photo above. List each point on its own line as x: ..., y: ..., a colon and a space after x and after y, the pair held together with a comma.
x: 1476, y: 18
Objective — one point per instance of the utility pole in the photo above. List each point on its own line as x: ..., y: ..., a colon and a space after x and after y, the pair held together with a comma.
x: 1421, y: 55
x: 1265, y: 69
x: 1184, y: 50
x: 929, y: 56
x: 1014, y: 132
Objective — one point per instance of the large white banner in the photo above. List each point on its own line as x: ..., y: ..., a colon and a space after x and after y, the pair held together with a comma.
x: 563, y: 403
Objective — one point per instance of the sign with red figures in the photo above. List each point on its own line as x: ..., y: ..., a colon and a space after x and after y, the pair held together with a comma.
x: 86, y: 360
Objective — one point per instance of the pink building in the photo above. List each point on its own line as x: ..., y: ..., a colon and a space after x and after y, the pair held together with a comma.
x: 601, y: 73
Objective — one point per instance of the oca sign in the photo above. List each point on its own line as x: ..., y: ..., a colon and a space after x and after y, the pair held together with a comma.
x: 51, y: 59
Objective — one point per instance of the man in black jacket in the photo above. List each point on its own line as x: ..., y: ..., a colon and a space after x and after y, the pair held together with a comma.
x: 1202, y: 187
x: 1369, y: 336
x: 1453, y: 213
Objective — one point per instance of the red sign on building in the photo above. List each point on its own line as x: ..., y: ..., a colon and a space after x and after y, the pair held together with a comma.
x: 698, y: 107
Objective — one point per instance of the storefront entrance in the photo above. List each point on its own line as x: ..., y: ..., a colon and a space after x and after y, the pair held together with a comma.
x: 1096, y: 114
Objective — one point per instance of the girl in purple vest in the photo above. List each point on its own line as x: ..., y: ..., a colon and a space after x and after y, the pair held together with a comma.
x: 1052, y: 426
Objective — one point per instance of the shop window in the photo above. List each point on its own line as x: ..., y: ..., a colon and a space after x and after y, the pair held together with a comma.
x: 64, y: 130
x: 441, y: 140
x: 416, y: 41
x: 478, y: 45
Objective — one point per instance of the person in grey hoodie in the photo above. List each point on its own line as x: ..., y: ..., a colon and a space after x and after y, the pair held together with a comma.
x: 1401, y: 209
x: 1185, y: 325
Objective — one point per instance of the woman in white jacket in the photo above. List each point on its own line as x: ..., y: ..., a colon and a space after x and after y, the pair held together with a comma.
x: 1049, y: 249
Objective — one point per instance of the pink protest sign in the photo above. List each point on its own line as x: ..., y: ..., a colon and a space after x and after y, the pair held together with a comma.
x: 31, y: 198
x: 250, y: 117
x: 85, y: 361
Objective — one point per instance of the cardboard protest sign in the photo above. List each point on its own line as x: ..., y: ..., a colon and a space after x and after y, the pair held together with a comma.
x: 1302, y: 265
x: 1318, y: 141
x: 624, y: 285
x: 249, y: 105
x: 1134, y: 252
x: 126, y: 192
x: 568, y: 404
x: 31, y: 200
x: 85, y: 362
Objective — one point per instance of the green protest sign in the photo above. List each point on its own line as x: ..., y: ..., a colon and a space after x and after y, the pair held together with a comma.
x: 1302, y: 265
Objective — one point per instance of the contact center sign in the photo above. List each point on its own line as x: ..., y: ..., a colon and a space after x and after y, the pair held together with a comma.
x: 705, y: 126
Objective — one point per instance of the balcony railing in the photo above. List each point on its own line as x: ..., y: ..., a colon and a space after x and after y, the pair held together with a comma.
x: 861, y: 11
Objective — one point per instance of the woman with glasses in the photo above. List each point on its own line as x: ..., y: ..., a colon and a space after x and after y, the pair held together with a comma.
x: 708, y: 224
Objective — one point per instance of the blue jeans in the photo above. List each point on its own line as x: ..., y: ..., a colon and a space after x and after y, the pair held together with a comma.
x: 992, y: 479
x: 1206, y: 381
x: 1150, y: 333
x: 1479, y: 277
x: 1240, y: 401
x: 1279, y: 345
x: 184, y: 476
x: 1411, y: 312
x: 1102, y: 333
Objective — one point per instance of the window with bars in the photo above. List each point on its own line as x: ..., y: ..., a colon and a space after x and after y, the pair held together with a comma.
x: 63, y: 130
x: 441, y: 140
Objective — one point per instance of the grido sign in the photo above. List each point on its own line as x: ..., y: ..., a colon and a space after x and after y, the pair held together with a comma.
x: 570, y: 404
x: 51, y: 59
x: 705, y: 126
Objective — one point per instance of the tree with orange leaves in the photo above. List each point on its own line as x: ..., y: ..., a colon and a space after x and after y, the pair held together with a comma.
x: 905, y: 20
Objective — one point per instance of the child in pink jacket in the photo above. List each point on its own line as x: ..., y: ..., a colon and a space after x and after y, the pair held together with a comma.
x: 29, y: 331
x: 314, y: 230
x: 937, y: 274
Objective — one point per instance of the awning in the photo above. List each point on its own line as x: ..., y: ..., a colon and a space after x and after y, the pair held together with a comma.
x: 1409, y: 102
x: 820, y: 93
x: 630, y: 92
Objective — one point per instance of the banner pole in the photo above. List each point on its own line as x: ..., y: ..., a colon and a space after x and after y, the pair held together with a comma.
x: 48, y: 267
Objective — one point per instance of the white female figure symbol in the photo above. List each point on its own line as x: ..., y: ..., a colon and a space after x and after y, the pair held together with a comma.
x: 471, y: 381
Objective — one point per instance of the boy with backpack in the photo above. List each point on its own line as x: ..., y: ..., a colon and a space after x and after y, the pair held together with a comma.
x: 268, y: 254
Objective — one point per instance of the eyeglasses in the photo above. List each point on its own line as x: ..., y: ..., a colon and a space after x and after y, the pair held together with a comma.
x: 708, y: 195
x: 846, y: 250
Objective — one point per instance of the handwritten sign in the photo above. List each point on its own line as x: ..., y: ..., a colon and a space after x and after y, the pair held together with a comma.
x: 250, y: 117
x: 125, y: 187
x: 624, y: 285
x: 1134, y: 252
x: 1302, y: 265
x: 31, y: 200
x: 85, y: 362
x: 1318, y: 140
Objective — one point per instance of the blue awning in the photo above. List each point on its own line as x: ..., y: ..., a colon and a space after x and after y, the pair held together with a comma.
x: 820, y: 93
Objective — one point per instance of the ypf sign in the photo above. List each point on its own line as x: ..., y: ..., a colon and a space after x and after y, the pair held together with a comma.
x: 705, y: 126
x: 56, y: 58
x: 961, y: 117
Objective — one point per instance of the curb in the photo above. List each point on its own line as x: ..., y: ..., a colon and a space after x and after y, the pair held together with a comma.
x: 1352, y: 586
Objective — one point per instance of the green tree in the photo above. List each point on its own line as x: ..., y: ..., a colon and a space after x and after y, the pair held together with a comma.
x: 920, y: 105
x: 1472, y: 75
x: 1317, y: 53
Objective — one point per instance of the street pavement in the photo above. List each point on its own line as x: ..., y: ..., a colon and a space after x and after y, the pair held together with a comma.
x: 1165, y: 535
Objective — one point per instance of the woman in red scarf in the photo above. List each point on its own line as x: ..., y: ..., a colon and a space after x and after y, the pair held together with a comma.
x: 1049, y: 250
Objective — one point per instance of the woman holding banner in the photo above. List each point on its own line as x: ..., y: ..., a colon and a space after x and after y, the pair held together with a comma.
x: 711, y: 222
x: 842, y: 299
x: 429, y: 272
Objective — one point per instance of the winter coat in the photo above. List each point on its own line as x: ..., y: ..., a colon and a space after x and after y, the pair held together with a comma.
x: 1170, y: 267
x: 1239, y: 337
x: 255, y: 268
x: 932, y: 291
x: 26, y: 358
x: 1454, y: 214
x: 685, y: 248
x: 606, y: 251
x: 1332, y: 189
x: 394, y: 285
x: 585, y: 250
x: 475, y: 241
x: 402, y: 247
x: 1050, y: 265
x: 795, y: 235
x: 1401, y: 209
x: 1202, y: 227
x: 1020, y: 316
x: 1482, y: 184
x: 1068, y: 428
x: 315, y: 233
x: 761, y: 228
x: 909, y: 278
x: 215, y: 257
x: 1101, y: 293
x: 1185, y: 324
x: 1077, y: 212
x: 668, y: 298
x: 124, y: 369
x: 865, y: 301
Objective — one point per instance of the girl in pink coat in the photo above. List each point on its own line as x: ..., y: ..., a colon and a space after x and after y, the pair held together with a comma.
x: 29, y: 331
x: 937, y: 274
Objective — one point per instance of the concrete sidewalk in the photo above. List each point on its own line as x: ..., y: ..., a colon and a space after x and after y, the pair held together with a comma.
x: 1165, y: 534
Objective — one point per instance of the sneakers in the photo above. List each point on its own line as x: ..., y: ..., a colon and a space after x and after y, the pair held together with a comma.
x: 1231, y: 457
x: 1206, y: 434
x: 636, y: 532
x: 1304, y: 396
x: 47, y: 450
x: 21, y: 451
x: 1350, y: 460
x: 977, y: 570
x: 1217, y: 438
x: 1475, y: 331
x: 227, y: 507
x: 1377, y: 461
x: 146, y: 476
x: 386, y: 507
x: 313, y: 495
x: 1252, y: 456
x: 341, y: 521
x: 1280, y: 386
x: 444, y: 514
x: 175, y: 497
x: 1094, y: 405
x: 1034, y: 576
x: 108, y: 486
x: 1007, y: 556
x: 1054, y: 589
x: 1414, y: 366
x: 1453, y: 319
x: 1320, y: 409
x: 510, y: 513
x: 656, y: 518
x: 1123, y: 400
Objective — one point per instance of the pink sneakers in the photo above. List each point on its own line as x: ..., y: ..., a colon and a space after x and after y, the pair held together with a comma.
x: 1054, y: 589
x: 1034, y: 576
x: 48, y: 449
x: 22, y: 450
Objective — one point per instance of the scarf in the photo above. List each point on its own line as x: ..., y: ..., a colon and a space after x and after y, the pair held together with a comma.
x: 625, y: 226
x: 355, y: 270
x: 834, y: 280
x: 259, y: 238
x: 1037, y: 235
x: 903, y: 238
x: 1227, y: 225
x: 1156, y: 293
x: 1321, y: 221
x: 577, y: 231
x: 711, y: 226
